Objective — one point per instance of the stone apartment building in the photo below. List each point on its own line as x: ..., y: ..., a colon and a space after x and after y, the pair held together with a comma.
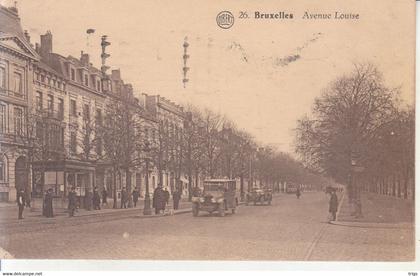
x: 17, y: 58
x: 61, y: 101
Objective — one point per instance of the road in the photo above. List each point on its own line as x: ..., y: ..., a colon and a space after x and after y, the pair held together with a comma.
x: 289, y: 229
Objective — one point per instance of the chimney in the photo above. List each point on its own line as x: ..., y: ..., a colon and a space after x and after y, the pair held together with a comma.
x: 27, y: 37
x: 46, y: 44
x: 116, y: 74
x: 84, y: 59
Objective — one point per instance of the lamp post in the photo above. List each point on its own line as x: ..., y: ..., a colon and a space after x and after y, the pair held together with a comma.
x: 147, y: 211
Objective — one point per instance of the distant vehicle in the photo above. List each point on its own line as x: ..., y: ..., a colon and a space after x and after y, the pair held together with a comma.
x: 259, y: 195
x: 219, y: 195
x: 291, y: 188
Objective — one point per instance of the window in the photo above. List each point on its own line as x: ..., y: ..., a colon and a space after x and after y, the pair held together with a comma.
x: 61, y: 109
x: 98, y: 85
x: 54, y: 83
x: 73, y: 142
x: 38, y: 101
x: 98, y: 118
x: 86, y: 112
x: 18, y: 113
x: 73, y: 108
x: 73, y: 75
x: 48, y: 80
x: 2, y: 171
x: 50, y: 104
x: 2, y: 118
x: 99, y: 146
x: 86, y: 80
x: 42, y: 78
x: 59, y: 85
x: 18, y: 84
x: 39, y: 130
x: 2, y: 78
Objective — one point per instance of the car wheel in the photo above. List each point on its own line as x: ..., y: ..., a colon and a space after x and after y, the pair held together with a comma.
x: 195, y: 209
x: 221, y: 209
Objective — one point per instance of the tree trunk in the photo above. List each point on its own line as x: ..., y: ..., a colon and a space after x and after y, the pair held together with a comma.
x: 114, y: 185
x: 128, y: 186
x: 242, y: 187
x: 399, y: 186
x: 393, y: 185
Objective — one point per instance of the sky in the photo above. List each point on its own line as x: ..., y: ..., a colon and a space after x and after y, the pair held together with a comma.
x: 263, y: 74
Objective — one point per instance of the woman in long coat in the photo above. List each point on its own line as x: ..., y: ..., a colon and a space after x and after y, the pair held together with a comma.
x: 159, y: 199
x: 333, y: 205
x: 72, y: 202
x: 49, y: 204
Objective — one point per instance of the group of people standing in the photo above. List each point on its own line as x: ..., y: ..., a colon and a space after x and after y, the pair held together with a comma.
x: 161, y: 199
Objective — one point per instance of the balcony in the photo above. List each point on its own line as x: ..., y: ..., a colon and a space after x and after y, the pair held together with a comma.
x: 51, y: 114
x: 12, y: 95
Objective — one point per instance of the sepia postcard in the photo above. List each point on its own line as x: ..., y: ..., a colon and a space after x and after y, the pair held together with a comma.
x: 239, y: 131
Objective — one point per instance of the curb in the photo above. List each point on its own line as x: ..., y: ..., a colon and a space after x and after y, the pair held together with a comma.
x: 374, y: 225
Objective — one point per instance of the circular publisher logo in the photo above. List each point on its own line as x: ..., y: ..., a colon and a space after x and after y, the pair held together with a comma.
x: 225, y: 19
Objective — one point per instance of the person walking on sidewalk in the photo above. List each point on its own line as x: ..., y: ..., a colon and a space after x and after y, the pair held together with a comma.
x: 49, y: 213
x: 21, y: 203
x: 96, y: 199
x: 104, y: 197
x: 298, y: 193
x: 135, y: 196
x: 72, y: 202
x: 167, y: 196
x: 176, y: 197
x: 158, y: 199
x: 124, y: 198
x: 333, y: 205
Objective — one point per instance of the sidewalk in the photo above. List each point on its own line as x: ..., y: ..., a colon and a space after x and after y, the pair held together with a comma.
x: 378, y: 211
x: 10, y: 212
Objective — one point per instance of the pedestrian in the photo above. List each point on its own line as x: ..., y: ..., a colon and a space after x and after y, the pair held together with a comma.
x: 96, y: 199
x: 72, y: 197
x: 124, y: 198
x: 167, y: 195
x: 104, y: 197
x: 298, y: 192
x: 27, y: 198
x: 158, y: 199
x: 176, y: 197
x: 333, y: 205
x: 135, y: 196
x: 48, y: 204
x: 21, y: 202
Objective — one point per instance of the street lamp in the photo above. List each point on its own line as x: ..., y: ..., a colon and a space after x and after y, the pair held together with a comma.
x: 147, y: 211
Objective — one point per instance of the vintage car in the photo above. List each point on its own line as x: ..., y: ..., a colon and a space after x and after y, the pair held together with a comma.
x: 219, y: 195
x: 259, y: 195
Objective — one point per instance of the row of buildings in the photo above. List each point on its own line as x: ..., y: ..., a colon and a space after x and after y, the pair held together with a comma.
x: 51, y: 97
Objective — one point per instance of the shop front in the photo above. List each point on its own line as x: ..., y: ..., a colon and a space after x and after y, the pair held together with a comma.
x: 60, y: 176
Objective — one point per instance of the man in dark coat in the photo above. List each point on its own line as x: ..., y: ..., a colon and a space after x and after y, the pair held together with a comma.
x: 176, y: 197
x: 135, y: 196
x: 167, y: 196
x: 158, y: 199
x: 48, y: 204
x: 72, y: 202
x: 298, y: 192
x: 21, y: 202
x: 124, y: 198
x: 333, y: 205
x: 104, y: 197
x: 96, y: 199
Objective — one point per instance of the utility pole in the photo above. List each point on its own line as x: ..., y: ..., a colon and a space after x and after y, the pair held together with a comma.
x: 185, y: 69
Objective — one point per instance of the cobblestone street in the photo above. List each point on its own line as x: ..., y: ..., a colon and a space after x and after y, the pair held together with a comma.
x: 290, y: 229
